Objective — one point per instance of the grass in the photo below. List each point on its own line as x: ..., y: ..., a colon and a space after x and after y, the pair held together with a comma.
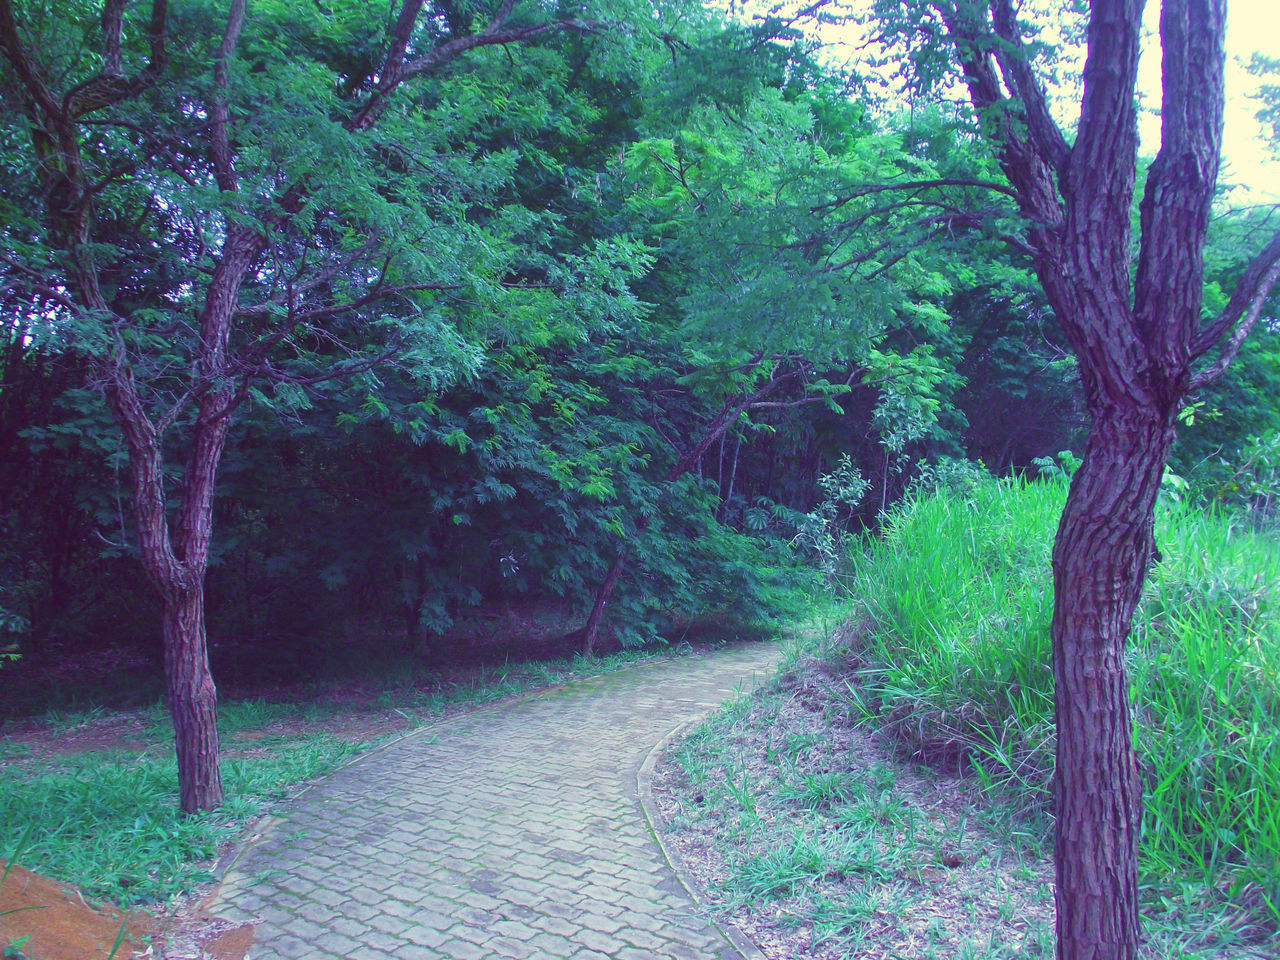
x: 849, y: 854
x: 108, y: 821
x: 953, y: 661
x: 946, y: 658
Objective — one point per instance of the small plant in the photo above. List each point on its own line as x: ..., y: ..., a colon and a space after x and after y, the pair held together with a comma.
x: 821, y: 534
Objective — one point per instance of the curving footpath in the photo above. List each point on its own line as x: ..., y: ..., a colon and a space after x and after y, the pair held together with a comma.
x: 513, y: 831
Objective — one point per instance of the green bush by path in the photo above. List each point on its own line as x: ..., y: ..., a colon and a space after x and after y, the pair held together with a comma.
x: 953, y: 660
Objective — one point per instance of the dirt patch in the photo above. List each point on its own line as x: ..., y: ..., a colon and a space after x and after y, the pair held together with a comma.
x: 53, y: 921
x: 49, y: 920
x: 39, y: 738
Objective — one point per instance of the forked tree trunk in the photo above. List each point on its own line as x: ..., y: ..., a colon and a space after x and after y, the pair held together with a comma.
x: 1101, y: 554
x: 176, y: 556
x: 193, y: 700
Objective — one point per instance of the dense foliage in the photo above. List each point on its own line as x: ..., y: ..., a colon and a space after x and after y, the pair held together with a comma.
x: 323, y: 319
x: 648, y: 246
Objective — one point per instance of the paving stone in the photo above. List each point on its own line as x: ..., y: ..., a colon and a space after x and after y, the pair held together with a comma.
x: 514, y: 832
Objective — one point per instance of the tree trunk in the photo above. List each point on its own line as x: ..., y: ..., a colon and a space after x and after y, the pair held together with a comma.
x: 592, y: 630
x: 1101, y: 555
x: 193, y: 700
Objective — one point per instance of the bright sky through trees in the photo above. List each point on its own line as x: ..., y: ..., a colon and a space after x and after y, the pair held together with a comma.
x: 1253, y: 26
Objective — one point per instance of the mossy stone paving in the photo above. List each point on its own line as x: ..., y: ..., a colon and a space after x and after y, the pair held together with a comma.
x: 514, y: 831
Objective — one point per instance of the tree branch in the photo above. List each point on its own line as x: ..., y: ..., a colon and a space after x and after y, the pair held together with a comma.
x: 109, y: 85
x: 16, y: 55
x: 223, y: 162
x: 396, y: 69
x: 1044, y: 133
x: 1031, y: 177
x: 1239, y: 315
x: 869, y: 189
x: 1178, y: 198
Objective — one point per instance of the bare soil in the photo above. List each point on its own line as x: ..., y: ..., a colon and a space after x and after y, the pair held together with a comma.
x: 53, y: 921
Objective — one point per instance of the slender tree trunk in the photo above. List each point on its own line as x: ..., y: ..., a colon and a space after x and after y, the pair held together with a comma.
x: 176, y: 560
x: 592, y: 630
x: 193, y: 700
x: 726, y: 418
x: 1101, y: 555
x: 733, y: 477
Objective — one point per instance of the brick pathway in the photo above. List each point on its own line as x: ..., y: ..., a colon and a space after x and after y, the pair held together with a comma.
x: 514, y: 831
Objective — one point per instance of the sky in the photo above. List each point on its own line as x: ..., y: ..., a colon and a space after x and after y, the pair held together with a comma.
x: 1252, y: 26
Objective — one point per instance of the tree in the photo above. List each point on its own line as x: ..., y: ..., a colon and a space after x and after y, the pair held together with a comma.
x: 248, y: 213
x: 1142, y: 345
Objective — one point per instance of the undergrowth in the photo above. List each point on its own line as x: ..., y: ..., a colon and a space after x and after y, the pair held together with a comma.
x: 843, y: 852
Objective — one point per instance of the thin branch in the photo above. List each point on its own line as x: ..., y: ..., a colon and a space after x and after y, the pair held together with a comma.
x: 396, y: 70
x: 112, y: 28
x: 1239, y: 315
x: 873, y: 188
x: 17, y: 56
x: 451, y: 49
x: 223, y: 163
x: 1045, y: 135
x: 110, y: 85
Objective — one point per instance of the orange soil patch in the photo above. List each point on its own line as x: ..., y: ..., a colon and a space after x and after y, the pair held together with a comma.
x: 59, y: 925
x: 49, y: 920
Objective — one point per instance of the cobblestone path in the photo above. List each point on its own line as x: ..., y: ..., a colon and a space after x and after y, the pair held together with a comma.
x: 514, y: 831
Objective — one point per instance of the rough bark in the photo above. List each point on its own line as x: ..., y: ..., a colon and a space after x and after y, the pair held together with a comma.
x: 192, y: 700
x: 1136, y: 335
x: 1101, y: 554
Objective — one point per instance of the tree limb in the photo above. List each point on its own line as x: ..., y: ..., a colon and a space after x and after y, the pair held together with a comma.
x: 1178, y: 197
x: 872, y: 188
x: 1239, y: 315
x: 22, y: 64
x: 109, y: 85
x: 396, y: 69
x: 223, y: 162
x: 1044, y: 133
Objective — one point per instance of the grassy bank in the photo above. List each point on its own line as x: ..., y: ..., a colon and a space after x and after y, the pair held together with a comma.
x: 952, y: 661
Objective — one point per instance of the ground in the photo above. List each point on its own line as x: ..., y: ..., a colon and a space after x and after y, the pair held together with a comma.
x: 936, y: 882
x: 64, y: 924
x: 53, y: 921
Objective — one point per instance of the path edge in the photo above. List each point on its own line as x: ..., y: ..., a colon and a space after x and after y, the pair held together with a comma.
x: 653, y: 820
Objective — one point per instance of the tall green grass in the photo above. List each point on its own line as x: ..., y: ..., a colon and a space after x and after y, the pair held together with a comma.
x: 955, y: 600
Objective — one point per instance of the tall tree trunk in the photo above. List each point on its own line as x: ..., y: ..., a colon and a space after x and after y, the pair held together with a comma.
x: 193, y: 700
x: 1101, y: 554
